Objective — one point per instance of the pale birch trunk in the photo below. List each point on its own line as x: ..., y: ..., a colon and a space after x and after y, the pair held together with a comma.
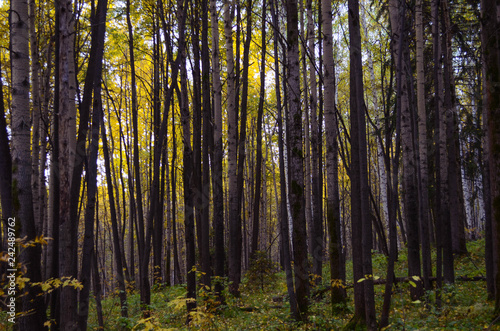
x: 22, y: 165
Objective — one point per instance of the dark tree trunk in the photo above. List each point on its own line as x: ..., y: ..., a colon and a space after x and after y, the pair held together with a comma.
x: 295, y: 163
x: 70, y: 170
x: 337, y: 263
x: 188, y: 180
x: 258, y: 161
x: 144, y: 285
x: 98, y: 32
x: 235, y: 236
x: 207, y: 149
x: 157, y: 217
x: 217, y: 164
x: 408, y: 134
x: 285, y: 239
x: 114, y: 227
x: 97, y: 289
x: 360, y: 213
x: 492, y: 88
x: 88, y: 240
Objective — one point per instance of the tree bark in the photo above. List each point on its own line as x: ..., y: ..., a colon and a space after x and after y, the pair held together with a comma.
x: 208, y: 142
x: 360, y: 214
x: 337, y: 263
x: 258, y: 161
x: 188, y: 182
x: 295, y: 148
x: 144, y: 286
x: 217, y: 170
x: 22, y: 166
x: 114, y: 228
x: 68, y: 225
x: 492, y: 88
x: 235, y: 236
x: 317, y: 248
x: 397, y: 11
x: 424, y: 208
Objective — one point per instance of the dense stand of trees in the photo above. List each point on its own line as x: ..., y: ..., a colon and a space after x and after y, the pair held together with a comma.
x: 165, y: 142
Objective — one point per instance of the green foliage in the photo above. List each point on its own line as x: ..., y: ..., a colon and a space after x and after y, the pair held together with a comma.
x: 263, y: 304
x: 262, y: 271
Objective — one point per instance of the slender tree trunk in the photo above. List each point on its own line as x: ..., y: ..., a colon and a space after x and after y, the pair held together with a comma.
x: 157, y: 218
x: 285, y: 239
x: 424, y: 208
x: 88, y: 241
x: 360, y: 213
x: 114, y: 227
x: 296, y: 188
x: 187, y: 180
x: 97, y: 289
x: 36, y: 118
x: 492, y: 88
x: 68, y: 225
x: 144, y: 286
x: 208, y: 141
x: 456, y: 201
x: 444, y: 156
x: 99, y: 20
x: 440, y: 203
x: 22, y: 166
x: 317, y: 248
x: 337, y: 263
x: 488, y: 231
x: 217, y: 170
x: 235, y: 236
x: 410, y: 198
x: 258, y: 162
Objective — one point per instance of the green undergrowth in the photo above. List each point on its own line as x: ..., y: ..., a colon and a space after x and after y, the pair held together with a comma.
x: 263, y: 304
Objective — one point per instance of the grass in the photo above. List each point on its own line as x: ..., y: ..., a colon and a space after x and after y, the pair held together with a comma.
x: 465, y: 305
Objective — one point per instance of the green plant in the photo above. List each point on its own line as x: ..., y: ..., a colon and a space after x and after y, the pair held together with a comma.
x: 262, y: 270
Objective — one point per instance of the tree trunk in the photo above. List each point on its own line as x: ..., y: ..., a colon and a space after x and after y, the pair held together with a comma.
x: 258, y: 162
x: 296, y: 187
x: 144, y: 286
x: 424, y: 208
x: 317, y: 248
x: 114, y: 227
x: 88, y: 240
x: 456, y: 201
x: 492, y: 88
x: 337, y: 263
x: 68, y: 225
x: 98, y: 33
x: 285, y: 239
x: 235, y: 236
x: 22, y: 166
x: 188, y: 181
x: 208, y: 142
x: 360, y: 214
x: 397, y: 11
x: 217, y: 170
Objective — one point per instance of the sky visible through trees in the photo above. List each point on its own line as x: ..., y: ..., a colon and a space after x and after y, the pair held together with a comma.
x: 147, y: 144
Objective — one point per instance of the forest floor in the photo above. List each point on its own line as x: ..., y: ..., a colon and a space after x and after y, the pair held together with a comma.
x: 263, y: 304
